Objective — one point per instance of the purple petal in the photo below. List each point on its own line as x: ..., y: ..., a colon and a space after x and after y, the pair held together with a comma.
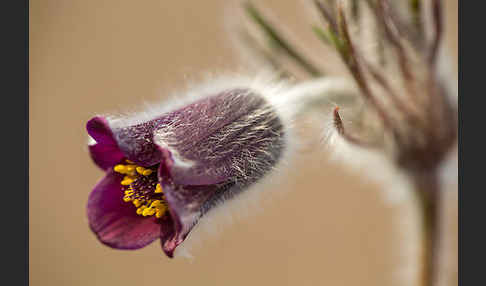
x: 225, y: 143
x: 218, y: 133
x: 105, y: 156
x: 136, y: 143
x: 169, y: 239
x: 105, y: 153
x: 186, y: 206
x: 99, y: 129
x: 185, y: 175
x: 114, y: 221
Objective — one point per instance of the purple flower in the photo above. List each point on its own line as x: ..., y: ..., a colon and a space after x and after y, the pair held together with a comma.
x: 165, y: 171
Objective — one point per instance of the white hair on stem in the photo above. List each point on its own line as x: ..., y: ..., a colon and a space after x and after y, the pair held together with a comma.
x: 397, y: 192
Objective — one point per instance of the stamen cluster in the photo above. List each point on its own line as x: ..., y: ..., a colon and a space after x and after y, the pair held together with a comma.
x: 140, y: 186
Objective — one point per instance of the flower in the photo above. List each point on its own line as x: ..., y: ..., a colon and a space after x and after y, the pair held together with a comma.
x: 170, y: 165
x: 164, y: 173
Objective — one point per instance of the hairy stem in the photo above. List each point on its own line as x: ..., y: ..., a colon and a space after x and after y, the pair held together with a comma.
x: 427, y: 187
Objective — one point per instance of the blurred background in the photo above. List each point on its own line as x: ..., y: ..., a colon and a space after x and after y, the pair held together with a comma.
x: 330, y: 226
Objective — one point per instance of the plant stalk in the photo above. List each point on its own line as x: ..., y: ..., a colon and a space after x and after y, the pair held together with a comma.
x: 428, y: 189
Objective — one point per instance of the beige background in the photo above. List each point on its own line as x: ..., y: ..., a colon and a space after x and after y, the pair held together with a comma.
x: 98, y: 56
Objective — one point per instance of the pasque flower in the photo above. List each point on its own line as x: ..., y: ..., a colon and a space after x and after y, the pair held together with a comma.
x: 168, y: 166
x: 164, y: 173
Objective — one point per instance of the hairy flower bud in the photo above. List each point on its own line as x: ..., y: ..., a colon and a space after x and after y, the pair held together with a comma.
x: 165, y: 171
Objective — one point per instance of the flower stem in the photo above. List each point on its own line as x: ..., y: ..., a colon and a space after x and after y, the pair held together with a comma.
x: 430, y: 196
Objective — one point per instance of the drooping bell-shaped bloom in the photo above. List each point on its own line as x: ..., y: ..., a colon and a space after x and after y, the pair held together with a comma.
x: 165, y: 171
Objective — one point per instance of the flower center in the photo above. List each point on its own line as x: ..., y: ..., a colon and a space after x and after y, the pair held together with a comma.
x: 141, y: 187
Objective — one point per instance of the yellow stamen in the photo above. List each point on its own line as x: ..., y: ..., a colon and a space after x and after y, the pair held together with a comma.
x: 155, y: 203
x: 140, y: 210
x: 137, y: 202
x: 119, y: 168
x: 158, y: 189
x: 145, y: 206
x: 130, y: 168
x: 160, y: 211
x: 148, y: 211
x: 126, y: 182
x: 140, y: 170
x: 147, y: 172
